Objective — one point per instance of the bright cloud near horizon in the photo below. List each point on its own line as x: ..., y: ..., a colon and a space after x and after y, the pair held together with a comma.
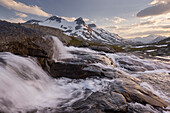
x: 128, y: 18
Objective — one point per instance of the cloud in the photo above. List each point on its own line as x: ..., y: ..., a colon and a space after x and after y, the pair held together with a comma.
x: 116, y: 20
x: 15, y: 20
x: 22, y: 15
x: 18, y: 6
x: 165, y: 26
x: 94, y: 21
x: 156, y: 32
x: 111, y: 27
x: 144, y: 23
x: 71, y: 19
x: 157, y: 7
x: 86, y: 19
x: 147, y: 23
x: 159, y: 2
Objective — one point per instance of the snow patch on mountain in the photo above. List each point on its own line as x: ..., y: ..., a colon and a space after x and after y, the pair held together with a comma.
x: 80, y: 29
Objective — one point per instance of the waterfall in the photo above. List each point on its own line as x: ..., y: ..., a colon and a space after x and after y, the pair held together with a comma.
x: 21, y: 81
x: 60, y: 51
x: 24, y: 86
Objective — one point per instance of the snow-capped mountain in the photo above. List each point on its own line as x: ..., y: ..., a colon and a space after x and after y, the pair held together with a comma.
x: 148, y: 39
x: 80, y: 29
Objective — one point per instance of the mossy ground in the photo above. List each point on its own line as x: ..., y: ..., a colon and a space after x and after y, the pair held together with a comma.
x: 81, y: 43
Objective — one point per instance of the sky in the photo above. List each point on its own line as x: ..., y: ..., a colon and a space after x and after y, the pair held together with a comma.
x: 128, y: 18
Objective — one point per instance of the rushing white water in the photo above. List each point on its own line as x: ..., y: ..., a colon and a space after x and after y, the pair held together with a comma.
x: 59, y: 50
x: 25, y: 86
x: 144, y: 65
x: 148, y: 70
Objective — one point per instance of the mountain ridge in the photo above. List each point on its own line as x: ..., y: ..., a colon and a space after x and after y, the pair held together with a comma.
x: 78, y: 28
x: 148, y: 39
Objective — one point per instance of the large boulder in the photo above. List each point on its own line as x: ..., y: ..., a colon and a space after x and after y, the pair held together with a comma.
x: 74, y: 70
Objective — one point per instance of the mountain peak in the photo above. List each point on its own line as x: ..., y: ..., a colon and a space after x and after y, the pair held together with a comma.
x: 80, y: 21
x: 55, y: 18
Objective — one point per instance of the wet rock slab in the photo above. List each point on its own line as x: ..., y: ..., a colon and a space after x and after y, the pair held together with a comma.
x: 135, y: 93
x: 101, y: 102
x: 74, y: 71
x: 123, y: 96
x: 81, y: 67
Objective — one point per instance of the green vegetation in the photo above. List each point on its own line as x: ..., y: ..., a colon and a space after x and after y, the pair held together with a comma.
x: 143, y: 48
x: 75, y: 42
x: 158, y: 51
x: 83, y: 43
x: 117, y: 48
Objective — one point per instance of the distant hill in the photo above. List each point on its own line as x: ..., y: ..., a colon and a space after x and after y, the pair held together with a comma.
x: 165, y: 41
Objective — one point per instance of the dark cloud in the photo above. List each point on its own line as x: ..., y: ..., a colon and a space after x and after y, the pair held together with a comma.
x: 166, y: 26
x: 155, y: 10
x: 147, y: 23
x: 144, y: 23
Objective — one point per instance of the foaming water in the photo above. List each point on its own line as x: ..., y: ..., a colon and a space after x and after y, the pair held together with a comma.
x: 147, y: 70
x: 87, y: 50
x: 25, y: 86
x: 59, y: 49
x: 21, y: 80
x: 128, y: 61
